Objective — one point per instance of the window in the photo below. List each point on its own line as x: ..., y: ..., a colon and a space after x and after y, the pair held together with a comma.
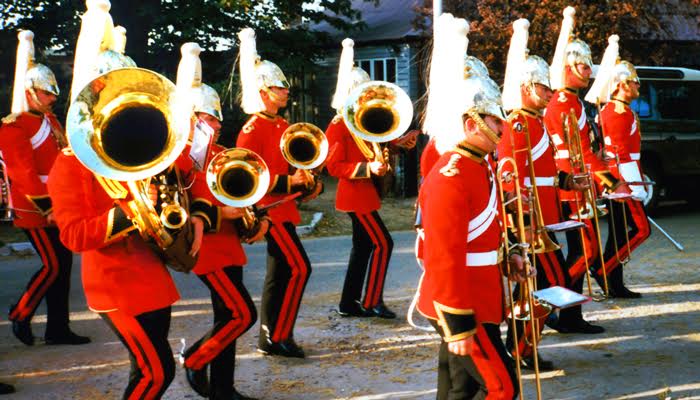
x: 677, y: 100
x: 380, y: 69
x: 642, y: 105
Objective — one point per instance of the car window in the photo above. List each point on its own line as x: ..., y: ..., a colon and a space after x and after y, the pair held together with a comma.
x: 642, y: 105
x: 676, y: 99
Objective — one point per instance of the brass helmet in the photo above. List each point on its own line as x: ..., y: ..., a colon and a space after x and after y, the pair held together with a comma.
x: 114, y: 57
x: 578, y: 52
x: 256, y: 74
x: 28, y: 74
x: 349, y: 77
x: 474, y: 66
x: 480, y: 95
x: 535, y: 70
x: 189, y: 80
x: 568, y: 52
x: 623, y: 72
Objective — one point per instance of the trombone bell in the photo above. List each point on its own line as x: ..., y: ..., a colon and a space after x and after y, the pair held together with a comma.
x: 378, y: 111
x: 238, y: 177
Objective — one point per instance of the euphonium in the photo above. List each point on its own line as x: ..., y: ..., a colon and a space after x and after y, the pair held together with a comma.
x: 305, y: 147
x: 6, y: 211
x: 239, y: 178
x: 378, y: 112
x: 126, y: 126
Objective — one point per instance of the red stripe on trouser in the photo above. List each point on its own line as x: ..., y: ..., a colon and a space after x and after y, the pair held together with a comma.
x: 49, y: 272
x: 639, y: 217
x: 549, y: 270
x: 293, y: 292
x: 375, y: 281
x: 525, y: 346
x: 491, y: 367
x: 153, y: 376
x: 590, y: 244
x: 228, y: 292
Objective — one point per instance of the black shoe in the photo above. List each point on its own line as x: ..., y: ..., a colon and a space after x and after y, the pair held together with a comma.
x: 23, y: 331
x: 579, y: 326
x: 287, y: 348
x: 66, y: 338
x: 6, y: 389
x: 543, y: 365
x: 198, y: 380
x: 624, y: 293
x: 237, y: 396
x: 552, y: 320
x: 381, y: 311
x: 355, y: 310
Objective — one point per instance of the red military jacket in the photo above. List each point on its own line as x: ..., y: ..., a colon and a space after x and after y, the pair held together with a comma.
x: 356, y: 192
x: 262, y: 134
x: 623, y: 142
x: 29, y: 147
x: 119, y: 269
x: 428, y: 158
x: 547, y: 176
x: 221, y: 246
x: 562, y: 102
x: 462, y: 284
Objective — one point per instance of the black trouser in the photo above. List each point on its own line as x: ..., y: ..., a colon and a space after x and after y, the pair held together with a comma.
x: 234, y: 314
x: 146, y: 338
x: 574, y: 254
x: 371, y: 247
x: 486, y: 371
x: 288, y: 270
x: 52, y: 281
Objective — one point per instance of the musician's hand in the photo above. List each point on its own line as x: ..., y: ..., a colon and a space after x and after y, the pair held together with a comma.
x: 153, y: 194
x: 50, y: 219
x: 461, y: 347
x: 300, y: 178
x: 377, y: 168
x: 262, y: 230
x: 579, y: 183
x: 408, y: 140
x: 520, y: 269
x: 229, y: 212
x: 513, y: 206
x: 317, y: 190
x: 198, y: 226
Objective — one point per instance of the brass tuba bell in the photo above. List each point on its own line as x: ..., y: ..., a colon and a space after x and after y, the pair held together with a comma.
x: 238, y: 177
x: 378, y: 111
x: 305, y: 147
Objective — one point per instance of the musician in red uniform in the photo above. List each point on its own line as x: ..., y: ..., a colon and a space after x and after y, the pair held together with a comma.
x: 461, y: 291
x: 357, y: 196
x: 30, y: 139
x: 265, y: 91
x: 570, y: 72
x: 622, y: 135
x: 221, y: 256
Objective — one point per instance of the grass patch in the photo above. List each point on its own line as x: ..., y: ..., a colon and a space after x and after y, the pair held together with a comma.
x: 397, y: 213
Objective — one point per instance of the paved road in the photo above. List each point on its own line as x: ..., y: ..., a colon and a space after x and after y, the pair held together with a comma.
x: 360, y: 358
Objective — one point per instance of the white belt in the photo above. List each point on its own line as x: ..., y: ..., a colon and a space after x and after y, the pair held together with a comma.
x: 635, y: 156
x: 482, y: 259
x: 44, y: 178
x: 541, y: 181
x: 561, y: 154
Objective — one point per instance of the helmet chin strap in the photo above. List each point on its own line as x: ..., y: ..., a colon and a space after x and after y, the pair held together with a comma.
x: 533, y: 93
x: 574, y: 70
x: 485, y: 129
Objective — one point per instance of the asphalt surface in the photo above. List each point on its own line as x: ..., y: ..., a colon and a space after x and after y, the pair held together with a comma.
x: 649, y: 351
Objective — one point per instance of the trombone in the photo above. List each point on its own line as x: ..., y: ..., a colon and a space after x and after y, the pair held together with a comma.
x: 377, y: 112
x: 6, y: 208
x: 527, y: 308
x: 572, y: 138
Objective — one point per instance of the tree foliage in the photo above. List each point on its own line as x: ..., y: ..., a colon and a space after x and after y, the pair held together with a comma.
x: 632, y: 20
x: 157, y: 28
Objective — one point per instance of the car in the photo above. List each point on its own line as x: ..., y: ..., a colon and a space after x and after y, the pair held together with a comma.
x: 669, y: 114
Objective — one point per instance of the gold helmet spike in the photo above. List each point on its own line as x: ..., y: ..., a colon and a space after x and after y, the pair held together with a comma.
x: 95, y: 37
x: 602, y: 86
x: 447, y: 69
x: 113, y: 57
x: 345, y: 67
x: 28, y: 74
x: 556, y: 71
x: 251, y: 102
x: 474, y: 66
x: 517, y: 55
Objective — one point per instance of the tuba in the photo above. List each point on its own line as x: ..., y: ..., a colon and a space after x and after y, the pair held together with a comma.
x: 6, y: 210
x: 128, y: 128
x: 239, y: 178
x: 305, y: 147
x: 377, y: 112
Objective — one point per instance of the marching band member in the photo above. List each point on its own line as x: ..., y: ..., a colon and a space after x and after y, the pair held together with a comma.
x: 30, y: 139
x: 265, y: 91
x: 464, y: 299
x: 526, y: 92
x: 125, y: 281
x: 570, y: 71
x: 221, y: 256
x: 357, y: 196
x: 622, y: 138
